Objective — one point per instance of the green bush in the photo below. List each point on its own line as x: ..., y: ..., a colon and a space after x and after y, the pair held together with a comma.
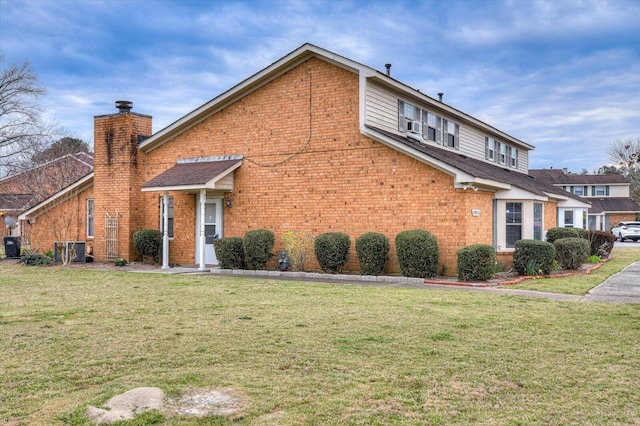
x: 332, y: 250
x: 533, y: 256
x: 418, y: 254
x: 557, y: 233
x: 229, y: 252
x: 257, y: 245
x: 601, y: 243
x: 148, y: 242
x: 34, y: 259
x: 571, y: 252
x: 476, y: 262
x: 120, y: 262
x: 372, y: 249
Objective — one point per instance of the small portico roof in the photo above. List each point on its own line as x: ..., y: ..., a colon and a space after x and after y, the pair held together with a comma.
x: 196, y: 174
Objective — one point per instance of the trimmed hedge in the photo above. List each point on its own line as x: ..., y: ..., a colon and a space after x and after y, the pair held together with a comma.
x: 572, y: 252
x: 257, y: 245
x: 557, y: 233
x: 601, y: 242
x: 372, y: 249
x: 332, y: 250
x: 476, y: 262
x: 148, y: 242
x: 229, y: 252
x: 418, y: 254
x: 533, y: 254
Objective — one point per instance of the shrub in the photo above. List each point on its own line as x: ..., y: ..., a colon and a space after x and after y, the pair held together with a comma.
x: 476, y: 262
x: 557, y: 233
x: 601, y: 242
x: 298, y: 246
x: 535, y: 255
x: 332, y: 251
x: 257, y: 245
x: 571, y: 252
x: 120, y: 262
x: 34, y: 259
x: 418, y: 254
x: 229, y: 252
x: 594, y: 259
x: 372, y: 250
x: 148, y: 242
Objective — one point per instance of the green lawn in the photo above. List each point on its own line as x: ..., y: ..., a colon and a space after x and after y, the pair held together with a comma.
x: 316, y: 354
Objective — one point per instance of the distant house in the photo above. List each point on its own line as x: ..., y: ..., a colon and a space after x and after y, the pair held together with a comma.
x: 608, y: 195
x: 315, y: 142
x: 24, y: 190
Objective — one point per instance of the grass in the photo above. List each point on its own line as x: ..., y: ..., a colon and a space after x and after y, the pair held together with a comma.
x: 581, y: 284
x: 305, y: 353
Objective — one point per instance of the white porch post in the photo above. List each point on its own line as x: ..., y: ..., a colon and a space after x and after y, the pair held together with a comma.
x: 165, y: 227
x: 203, y: 199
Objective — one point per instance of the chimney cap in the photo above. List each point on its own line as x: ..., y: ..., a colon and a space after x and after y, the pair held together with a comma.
x: 388, y: 67
x: 440, y: 95
x: 124, y: 106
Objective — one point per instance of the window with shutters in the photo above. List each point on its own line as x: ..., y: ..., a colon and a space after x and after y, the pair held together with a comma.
x: 451, y: 137
x: 431, y: 127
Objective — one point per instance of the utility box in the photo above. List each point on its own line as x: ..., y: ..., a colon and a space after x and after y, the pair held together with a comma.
x: 12, y: 247
x: 68, y: 245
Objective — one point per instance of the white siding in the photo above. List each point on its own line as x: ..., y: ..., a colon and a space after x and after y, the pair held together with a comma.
x: 381, y: 111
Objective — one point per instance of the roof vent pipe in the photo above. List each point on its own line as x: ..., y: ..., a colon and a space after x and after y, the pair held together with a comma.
x: 440, y: 96
x: 388, y: 67
x: 124, y: 107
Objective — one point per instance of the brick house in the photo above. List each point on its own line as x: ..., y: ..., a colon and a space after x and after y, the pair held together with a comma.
x: 609, y: 196
x: 315, y: 142
x: 21, y: 191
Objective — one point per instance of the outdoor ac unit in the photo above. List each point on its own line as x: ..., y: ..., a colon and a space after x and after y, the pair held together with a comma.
x: 413, y: 126
x: 79, y: 246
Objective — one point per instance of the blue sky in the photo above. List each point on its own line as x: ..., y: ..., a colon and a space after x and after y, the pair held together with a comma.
x: 561, y: 75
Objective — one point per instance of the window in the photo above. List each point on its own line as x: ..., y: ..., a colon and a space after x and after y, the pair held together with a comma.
x: 451, y: 134
x: 514, y: 223
x: 578, y: 190
x: 169, y: 215
x: 407, y: 113
x: 600, y: 190
x: 568, y: 219
x: 537, y: 221
x: 90, y: 222
x: 431, y: 126
x: 490, y: 148
x: 513, y: 157
x: 502, y: 153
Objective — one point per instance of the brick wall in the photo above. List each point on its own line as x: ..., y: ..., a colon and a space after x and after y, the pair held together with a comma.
x: 306, y: 167
x: 118, y: 175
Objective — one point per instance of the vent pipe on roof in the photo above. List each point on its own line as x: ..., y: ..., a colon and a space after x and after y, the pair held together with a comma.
x: 388, y: 67
x: 124, y: 107
x: 440, y: 95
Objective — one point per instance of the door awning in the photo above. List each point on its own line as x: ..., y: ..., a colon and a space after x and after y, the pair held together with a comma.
x: 197, y: 174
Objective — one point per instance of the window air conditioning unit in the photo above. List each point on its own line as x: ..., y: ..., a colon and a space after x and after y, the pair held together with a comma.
x: 413, y: 126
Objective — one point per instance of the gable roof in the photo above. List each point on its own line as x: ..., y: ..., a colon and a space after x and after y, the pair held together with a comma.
x: 194, y: 174
x: 613, y: 205
x: 289, y: 61
x: 59, y: 197
x: 559, y: 177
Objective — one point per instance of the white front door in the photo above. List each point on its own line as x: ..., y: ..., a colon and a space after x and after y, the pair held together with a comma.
x: 212, y: 229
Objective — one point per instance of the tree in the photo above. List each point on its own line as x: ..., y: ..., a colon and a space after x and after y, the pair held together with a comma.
x: 626, y: 155
x: 22, y: 128
x: 61, y: 147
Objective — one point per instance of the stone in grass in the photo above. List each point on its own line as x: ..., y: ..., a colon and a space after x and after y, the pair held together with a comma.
x: 125, y: 406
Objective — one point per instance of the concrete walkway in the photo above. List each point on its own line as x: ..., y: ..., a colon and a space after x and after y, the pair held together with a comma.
x: 623, y: 287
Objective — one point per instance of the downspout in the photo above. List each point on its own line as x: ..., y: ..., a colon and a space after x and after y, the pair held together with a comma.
x: 495, y: 224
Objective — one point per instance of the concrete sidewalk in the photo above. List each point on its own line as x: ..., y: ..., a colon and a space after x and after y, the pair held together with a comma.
x: 623, y: 287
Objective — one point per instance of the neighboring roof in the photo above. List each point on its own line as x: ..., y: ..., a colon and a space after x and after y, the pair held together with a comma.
x: 15, y: 202
x: 284, y: 64
x: 481, y: 169
x: 60, y: 196
x: 613, y: 205
x: 193, y: 174
x: 559, y: 177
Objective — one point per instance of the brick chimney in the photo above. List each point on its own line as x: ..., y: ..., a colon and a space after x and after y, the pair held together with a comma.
x: 118, y: 175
